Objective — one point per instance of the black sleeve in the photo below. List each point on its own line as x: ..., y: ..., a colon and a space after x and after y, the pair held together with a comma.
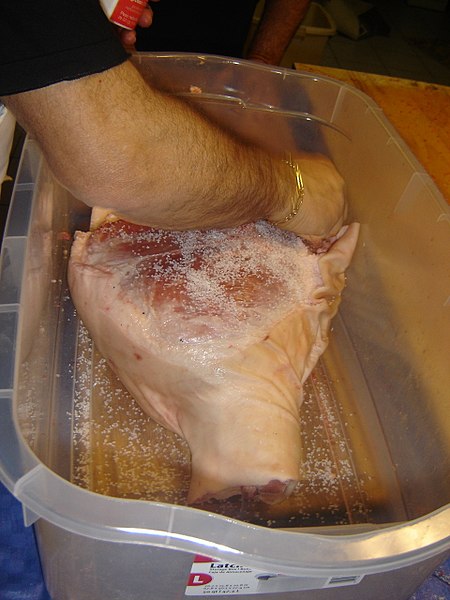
x: 48, y: 41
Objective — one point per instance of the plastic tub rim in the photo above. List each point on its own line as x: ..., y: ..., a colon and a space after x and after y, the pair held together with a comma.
x: 389, y: 548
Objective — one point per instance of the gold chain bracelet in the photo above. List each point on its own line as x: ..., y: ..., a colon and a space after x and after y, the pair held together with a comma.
x: 297, y: 200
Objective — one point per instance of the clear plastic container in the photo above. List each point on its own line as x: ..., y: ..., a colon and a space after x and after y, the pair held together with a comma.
x: 105, y: 487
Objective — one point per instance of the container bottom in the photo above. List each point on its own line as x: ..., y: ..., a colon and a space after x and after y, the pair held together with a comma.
x: 347, y: 477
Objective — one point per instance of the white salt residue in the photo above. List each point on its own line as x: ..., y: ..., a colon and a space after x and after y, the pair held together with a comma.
x: 329, y: 472
x: 81, y: 411
x: 228, y: 285
x: 249, y: 267
x: 118, y: 450
x: 28, y: 411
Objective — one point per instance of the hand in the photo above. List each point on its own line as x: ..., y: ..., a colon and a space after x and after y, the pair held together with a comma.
x: 128, y: 37
x: 323, y: 209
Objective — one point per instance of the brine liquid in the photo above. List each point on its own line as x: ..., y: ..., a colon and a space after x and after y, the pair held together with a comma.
x: 119, y: 451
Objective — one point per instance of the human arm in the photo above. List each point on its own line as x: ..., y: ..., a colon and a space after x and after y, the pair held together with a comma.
x: 116, y: 142
x: 279, y: 22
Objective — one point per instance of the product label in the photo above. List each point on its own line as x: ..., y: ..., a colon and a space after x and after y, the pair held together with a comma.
x: 209, y: 577
x: 127, y: 13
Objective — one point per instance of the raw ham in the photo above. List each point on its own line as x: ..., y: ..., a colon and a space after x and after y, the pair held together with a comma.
x: 214, y: 333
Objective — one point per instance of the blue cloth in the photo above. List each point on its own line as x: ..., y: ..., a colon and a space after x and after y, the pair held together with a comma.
x: 20, y: 569
x: 21, y: 575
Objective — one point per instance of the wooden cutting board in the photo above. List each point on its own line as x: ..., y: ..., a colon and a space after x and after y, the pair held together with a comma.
x: 420, y: 112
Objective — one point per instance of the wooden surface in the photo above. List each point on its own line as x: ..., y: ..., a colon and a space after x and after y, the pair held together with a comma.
x: 420, y: 112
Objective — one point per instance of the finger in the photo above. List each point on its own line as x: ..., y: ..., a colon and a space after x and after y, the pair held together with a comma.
x: 128, y: 38
x: 146, y: 19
